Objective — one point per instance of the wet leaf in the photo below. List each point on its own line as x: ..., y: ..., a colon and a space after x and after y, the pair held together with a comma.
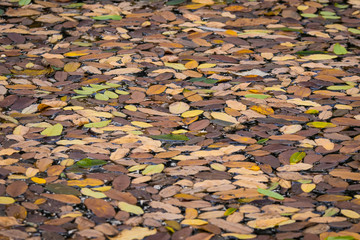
x: 54, y: 130
x: 87, y: 162
x: 297, y: 157
x: 130, y: 208
x: 270, y: 194
x: 107, y: 17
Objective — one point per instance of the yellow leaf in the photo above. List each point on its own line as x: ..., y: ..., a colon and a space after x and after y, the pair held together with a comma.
x: 206, y: 2
x: 191, y: 113
x: 91, y: 193
x: 321, y: 124
x: 124, y: 206
x: 55, y: 130
x: 134, y: 234
x: 319, y: 57
x: 6, y: 200
x: 307, y: 187
x: 239, y: 236
x: 38, y: 180
x: 178, y: 107
x: 40, y: 201
x: 218, y: 167
x: 130, y: 108
x: 85, y: 182
x: 102, y: 189
x: 141, y: 124
x: 191, y: 213
x: 206, y: 65
x: 224, y: 117
x: 71, y: 66
x: 155, y: 89
x: 195, y: 222
x: 350, y: 213
x: 137, y: 167
x: 231, y: 33
x: 152, y: 169
x: 177, y: 66
x: 192, y: 64
x: 76, y: 53
x: 263, y: 109
x: 72, y: 214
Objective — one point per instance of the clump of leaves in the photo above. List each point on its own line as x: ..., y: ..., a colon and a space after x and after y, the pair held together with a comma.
x: 101, y: 92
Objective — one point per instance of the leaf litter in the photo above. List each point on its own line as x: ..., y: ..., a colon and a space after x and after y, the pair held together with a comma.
x: 182, y: 119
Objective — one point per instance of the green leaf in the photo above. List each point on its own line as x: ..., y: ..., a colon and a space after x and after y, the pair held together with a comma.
x: 354, y: 30
x: 339, y: 87
x: 82, y: 44
x: 87, y: 162
x: 113, y: 85
x: 97, y: 124
x: 54, y: 130
x: 309, y: 15
x: 270, y: 193
x: 327, y: 13
x: 309, y: 52
x: 230, y: 211
x: 204, y: 79
x: 286, y: 29
x: 153, y: 169
x: 62, y: 189
x: 111, y: 94
x: 331, y: 212
x: 99, y: 87
x: 261, y: 141
x: 24, y: 2
x: 331, y: 17
x: 257, y: 96
x: 1, y: 12
x: 297, y: 157
x: 84, y: 92
x: 340, y: 238
x: 175, y: 2
x: 102, y: 97
x: 107, y: 17
x: 74, y: 5
x: 341, y: 5
x: 339, y: 50
x: 172, y: 137
x: 273, y: 186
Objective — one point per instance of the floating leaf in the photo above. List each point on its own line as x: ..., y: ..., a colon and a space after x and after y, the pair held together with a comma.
x: 153, y: 169
x: 134, y: 233
x: 262, y: 141
x: 171, y: 137
x: 309, y: 15
x: 24, y: 2
x: 110, y: 94
x: 338, y: 5
x: 107, y: 17
x: 54, y: 130
x: 124, y: 206
x: 191, y: 113
x: 257, y: 96
x: 340, y: 238
x: 102, y: 97
x: 339, y: 50
x: 6, y: 200
x: 97, y: 124
x: 321, y: 124
x: 270, y: 193
x: 315, y: 57
x: 195, y: 222
x: 297, y: 157
x: 206, y: 65
x: 175, y: 2
x: 87, y: 162
x: 230, y: 211
x: 177, y: 66
x: 155, y: 89
x: 339, y: 87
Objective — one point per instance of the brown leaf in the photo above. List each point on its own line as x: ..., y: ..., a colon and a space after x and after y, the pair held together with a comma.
x: 100, y: 207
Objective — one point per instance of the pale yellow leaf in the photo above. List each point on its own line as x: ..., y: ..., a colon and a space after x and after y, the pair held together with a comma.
x: 178, y: 107
x: 224, y: 117
x: 195, y: 222
x: 124, y: 206
x: 135, y: 233
x: 308, y: 187
x: 191, y: 113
